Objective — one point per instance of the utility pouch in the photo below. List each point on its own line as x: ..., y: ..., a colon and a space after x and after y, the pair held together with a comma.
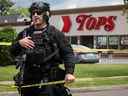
x: 57, y: 74
x: 62, y: 91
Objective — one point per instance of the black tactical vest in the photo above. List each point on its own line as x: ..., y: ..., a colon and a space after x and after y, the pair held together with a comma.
x: 44, y: 47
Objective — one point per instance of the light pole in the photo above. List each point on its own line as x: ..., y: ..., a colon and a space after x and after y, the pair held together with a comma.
x: 125, y: 2
x: 125, y: 9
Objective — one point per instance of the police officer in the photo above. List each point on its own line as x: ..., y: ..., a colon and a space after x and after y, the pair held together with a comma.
x: 43, y: 46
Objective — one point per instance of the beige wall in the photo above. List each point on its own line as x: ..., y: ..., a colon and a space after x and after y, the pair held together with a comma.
x: 119, y: 23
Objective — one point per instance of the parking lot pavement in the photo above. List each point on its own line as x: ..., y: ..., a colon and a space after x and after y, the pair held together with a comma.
x: 117, y: 92
x: 121, y: 90
x: 8, y: 94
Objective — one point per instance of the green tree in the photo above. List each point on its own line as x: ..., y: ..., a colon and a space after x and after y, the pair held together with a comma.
x: 5, y: 6
x: 125, y: 9
x: 7, y: 34
x: 23, y: 11
x: 125, y: 1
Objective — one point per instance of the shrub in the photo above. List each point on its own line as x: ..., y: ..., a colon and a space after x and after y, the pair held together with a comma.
x: 7, y: 34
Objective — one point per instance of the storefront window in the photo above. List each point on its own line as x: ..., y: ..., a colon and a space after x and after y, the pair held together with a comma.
x: 101, y: 42
x: 87, y: 41
x: 124, y: 42
x: 113, y: 42
x: 68, y: 38
x: 73, y: 40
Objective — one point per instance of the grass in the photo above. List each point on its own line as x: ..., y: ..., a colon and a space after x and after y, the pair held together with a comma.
x: 101, y: 70
x: 7, y: 73
x: 6, y: 88
x: 93, y: 71
x: 81, y: 71
x: 100, y: 82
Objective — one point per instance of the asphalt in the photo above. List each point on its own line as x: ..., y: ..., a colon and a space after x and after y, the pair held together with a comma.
x: 99, y: 88
x: 109, y: 91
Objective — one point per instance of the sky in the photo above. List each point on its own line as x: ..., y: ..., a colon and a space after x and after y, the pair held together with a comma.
x: 68, y: 4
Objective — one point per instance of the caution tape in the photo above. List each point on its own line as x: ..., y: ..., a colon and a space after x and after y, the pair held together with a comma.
x: 5, y: 43
x: 62, y: 81
x: 41, y: 84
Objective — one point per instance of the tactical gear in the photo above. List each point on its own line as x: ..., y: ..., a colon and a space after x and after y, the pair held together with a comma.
x: 48, y: 90
x: 40, y: 7
x: 65, y: 51
x: 18, y: 78
x: 45, y: 69
x: 45, y: 49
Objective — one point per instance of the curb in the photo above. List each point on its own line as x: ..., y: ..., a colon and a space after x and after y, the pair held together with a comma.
x: 98, y: 88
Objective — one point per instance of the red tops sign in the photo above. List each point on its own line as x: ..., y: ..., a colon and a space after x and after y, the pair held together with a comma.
x: 89, y: 22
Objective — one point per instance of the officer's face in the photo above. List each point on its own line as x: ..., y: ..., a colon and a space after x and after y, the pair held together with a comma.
x: 37, y: 18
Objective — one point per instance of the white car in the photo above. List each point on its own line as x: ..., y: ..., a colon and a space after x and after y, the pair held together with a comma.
x: 84, y: 54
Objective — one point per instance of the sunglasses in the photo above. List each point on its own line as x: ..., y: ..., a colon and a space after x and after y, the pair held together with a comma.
x: 37, y: 12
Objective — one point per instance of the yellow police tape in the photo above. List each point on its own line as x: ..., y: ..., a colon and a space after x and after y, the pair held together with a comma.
x: 41, y: 84
x: 62, y: 81
x: 53, y: 83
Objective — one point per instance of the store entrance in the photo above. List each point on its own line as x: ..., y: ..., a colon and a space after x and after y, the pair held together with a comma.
x: 87, y: 41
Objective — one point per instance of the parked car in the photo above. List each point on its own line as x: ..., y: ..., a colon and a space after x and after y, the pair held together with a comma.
x: 84, y: 54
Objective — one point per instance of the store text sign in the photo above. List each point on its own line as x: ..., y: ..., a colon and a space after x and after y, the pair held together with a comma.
x: 89, y: 22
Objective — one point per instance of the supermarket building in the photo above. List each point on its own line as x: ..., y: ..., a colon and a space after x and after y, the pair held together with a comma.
x: 95, y: 27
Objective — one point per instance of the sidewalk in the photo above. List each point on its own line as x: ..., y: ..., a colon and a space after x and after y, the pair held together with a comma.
x: 99, y: 88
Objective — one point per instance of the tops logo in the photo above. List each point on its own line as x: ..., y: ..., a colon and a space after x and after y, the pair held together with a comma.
x: 95, y: 23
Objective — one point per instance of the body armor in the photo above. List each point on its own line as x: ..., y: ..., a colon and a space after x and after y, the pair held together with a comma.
x: 42, y: 49
x: 39, y: 66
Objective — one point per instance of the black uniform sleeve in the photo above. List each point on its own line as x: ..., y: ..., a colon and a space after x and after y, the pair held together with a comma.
x: 15, y: 48
x: 66, y: 53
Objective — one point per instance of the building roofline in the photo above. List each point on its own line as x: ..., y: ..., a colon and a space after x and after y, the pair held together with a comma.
x: 89, y: 9
x: 73, y: 11
x: 15, y: 24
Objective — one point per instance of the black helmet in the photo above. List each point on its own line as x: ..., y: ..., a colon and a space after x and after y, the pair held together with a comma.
x: 42, y: 7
